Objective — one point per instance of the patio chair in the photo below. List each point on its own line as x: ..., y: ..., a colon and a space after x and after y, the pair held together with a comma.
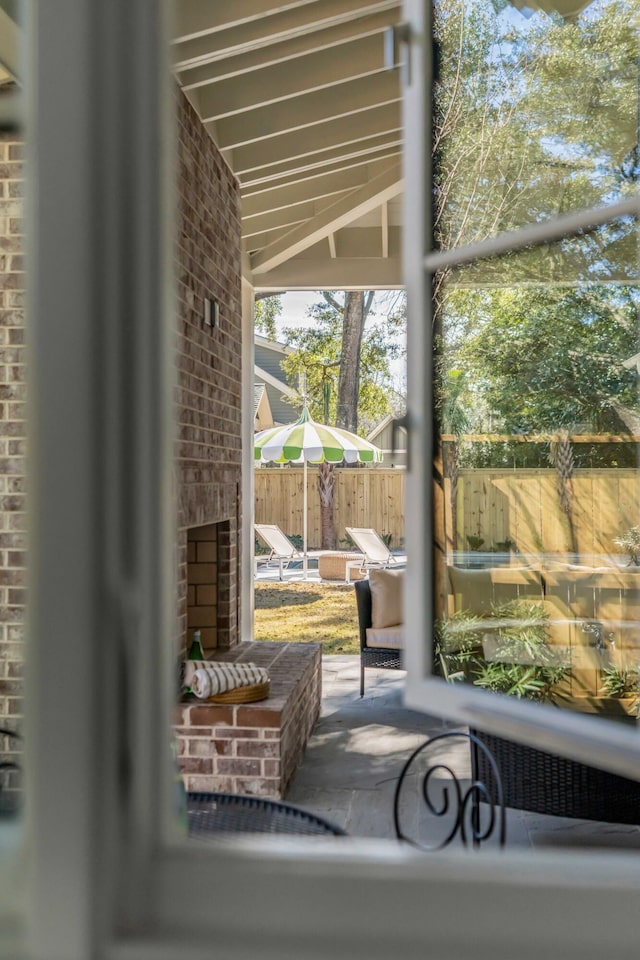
x: 375, y: 552
x: 382, y: 648
x: 280, y: 547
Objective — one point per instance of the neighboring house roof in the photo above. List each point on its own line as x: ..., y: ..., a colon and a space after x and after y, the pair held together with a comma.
x: 258, y: 394
x: 268, y: 370
x: 382, y: 436
x: 262, y: 415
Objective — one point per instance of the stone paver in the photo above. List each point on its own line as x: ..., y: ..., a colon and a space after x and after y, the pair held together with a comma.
x: 358, y: 748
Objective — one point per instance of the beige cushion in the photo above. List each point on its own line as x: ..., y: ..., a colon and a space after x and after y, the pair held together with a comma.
x: 386, y: 598
x: 388, y: 638
x: 475, y: 590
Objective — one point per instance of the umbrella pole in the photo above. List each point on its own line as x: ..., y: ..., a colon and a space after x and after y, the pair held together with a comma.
x: 304, y: 519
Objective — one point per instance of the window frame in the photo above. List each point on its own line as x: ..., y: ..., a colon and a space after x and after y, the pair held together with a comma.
x: 106, y: 873
x: 584, y: 738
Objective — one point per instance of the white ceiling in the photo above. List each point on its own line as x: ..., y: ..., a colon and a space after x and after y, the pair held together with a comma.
x: 297, y: 96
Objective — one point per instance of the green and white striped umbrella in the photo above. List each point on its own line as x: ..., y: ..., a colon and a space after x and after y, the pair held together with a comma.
x: 309, y: 442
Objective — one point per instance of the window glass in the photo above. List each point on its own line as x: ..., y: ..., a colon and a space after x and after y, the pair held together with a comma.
x: 538, y: 410
x: 535, y: 114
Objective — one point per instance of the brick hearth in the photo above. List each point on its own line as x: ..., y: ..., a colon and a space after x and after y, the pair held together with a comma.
x: 253, y: 748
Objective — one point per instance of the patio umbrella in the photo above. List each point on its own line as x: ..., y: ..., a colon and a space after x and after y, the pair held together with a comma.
x: 309, y: 442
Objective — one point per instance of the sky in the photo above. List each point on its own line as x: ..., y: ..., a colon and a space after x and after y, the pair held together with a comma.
x: 294, y: 308
x: 295, y: 304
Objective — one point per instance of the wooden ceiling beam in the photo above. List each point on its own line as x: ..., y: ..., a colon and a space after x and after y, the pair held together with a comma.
x: 360, y: 57
x: 290, y: 179
x: 340, y: 133
x: 283, y: 217
x: 378, y: 190
x: 373, y: 149
x: 194, y: 18
x: 307, y: 110
x: 228, y: 67
x: 314, y: 188
x: 326, y: 274
x: 229, y: 40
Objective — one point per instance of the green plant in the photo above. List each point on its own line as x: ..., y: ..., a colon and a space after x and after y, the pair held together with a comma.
x: 620, y: 683
x: 630, y: 541
x: 505, y: 545
x: 507, y: 652
x: 474, y: 542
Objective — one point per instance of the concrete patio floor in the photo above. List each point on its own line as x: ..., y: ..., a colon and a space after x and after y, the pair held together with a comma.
x: 357, y: 751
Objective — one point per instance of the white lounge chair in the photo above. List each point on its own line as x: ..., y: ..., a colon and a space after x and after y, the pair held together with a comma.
x: 281, y: 548
x: 375, y: 552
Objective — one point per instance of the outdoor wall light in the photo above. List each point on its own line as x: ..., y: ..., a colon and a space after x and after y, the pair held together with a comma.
x: 211, y: 312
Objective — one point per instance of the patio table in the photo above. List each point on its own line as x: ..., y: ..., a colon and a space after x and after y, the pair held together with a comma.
x: 213, y: 813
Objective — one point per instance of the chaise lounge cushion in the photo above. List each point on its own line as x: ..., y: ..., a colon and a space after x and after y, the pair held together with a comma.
x: 386, y: 638
x: 476, y: 590
x: 386, y: 598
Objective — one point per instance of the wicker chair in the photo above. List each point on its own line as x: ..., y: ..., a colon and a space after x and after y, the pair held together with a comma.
x: 545, y: 783
x: 380, y: 657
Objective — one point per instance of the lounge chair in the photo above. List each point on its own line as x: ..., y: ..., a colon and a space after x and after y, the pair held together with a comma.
x: 281, y: 548
x: 375, y: 552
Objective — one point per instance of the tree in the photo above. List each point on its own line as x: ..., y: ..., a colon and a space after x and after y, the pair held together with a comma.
x: 267, y: 309
x: 347, y: 371
x: 536, y: 118
x: 541, y: 360
x: 331, y: 371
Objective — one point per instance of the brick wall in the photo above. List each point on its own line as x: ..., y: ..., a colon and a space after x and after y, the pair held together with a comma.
x: 209, y: 366
x: 253, y: 748
x: 208, y: 446
x: 12, y: 436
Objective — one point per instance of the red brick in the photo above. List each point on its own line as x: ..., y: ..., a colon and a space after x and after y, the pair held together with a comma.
x: 256, y: 717
x: 257, y: 748
x: 237, y: 767
x: 196, y: 765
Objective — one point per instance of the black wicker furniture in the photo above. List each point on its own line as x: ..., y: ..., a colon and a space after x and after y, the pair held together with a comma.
x: 546, y: 783
x: 215, y: 813
x: 371, y: 656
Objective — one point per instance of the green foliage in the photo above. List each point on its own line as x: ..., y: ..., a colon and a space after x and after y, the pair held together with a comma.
x: 475, y: 542
x: 620, y: 683
x: 266, y: 312
x: 534, y: 119
x: 522, y: 664
x: 630, y: 541
x: 318, y: 351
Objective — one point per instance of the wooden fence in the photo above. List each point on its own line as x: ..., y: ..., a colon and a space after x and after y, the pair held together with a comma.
x: 521, y: 505
x: 363, y: 497
x: 524, y: 506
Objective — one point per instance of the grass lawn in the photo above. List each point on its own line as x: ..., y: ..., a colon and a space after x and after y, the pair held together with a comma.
x: 308, y: 612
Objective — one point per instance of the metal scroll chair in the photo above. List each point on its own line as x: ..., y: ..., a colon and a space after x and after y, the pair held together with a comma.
x: 214, y: 813
x: 280, y: 547
x: 375, y: 552
x: 472, y: 808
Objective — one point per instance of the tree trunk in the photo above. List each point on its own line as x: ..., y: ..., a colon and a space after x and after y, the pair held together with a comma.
x: 326, y: 485
x: 356, y: 308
